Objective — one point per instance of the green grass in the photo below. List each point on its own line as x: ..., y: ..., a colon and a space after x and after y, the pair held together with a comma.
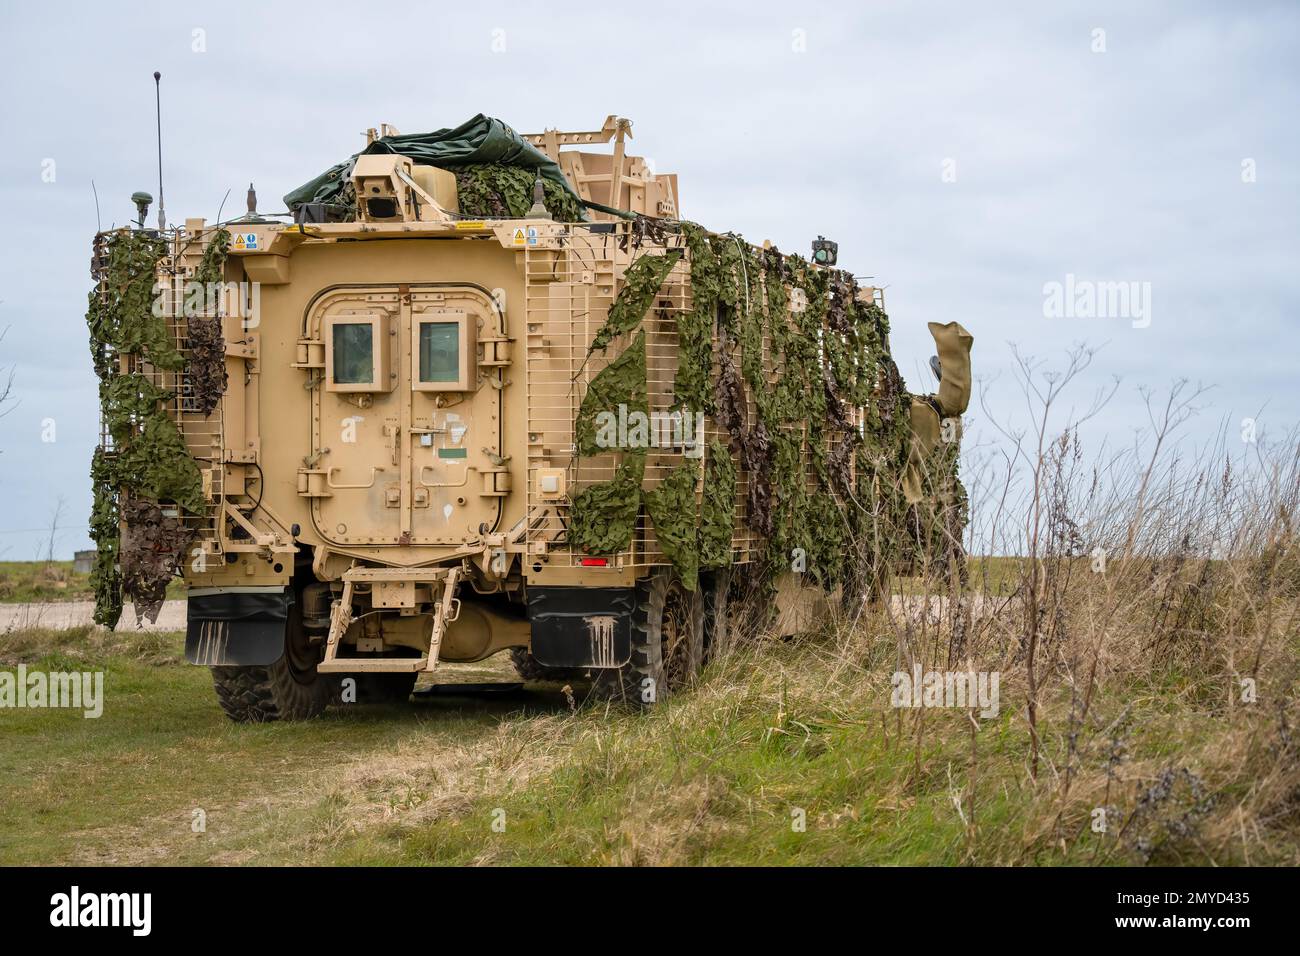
x: 36, y: 582
x: 996, y: 576
x: 25, y: 582
x: 123, y: 787
x: 715, y: 776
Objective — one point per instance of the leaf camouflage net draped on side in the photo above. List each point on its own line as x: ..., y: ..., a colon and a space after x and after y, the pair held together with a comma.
x: 718, y: 514
x: 671, y: 506
x: 121, y: 313
x: 603, y: 517
x: 620, y: 383
x: 207, y: 364
x: 146, y: 478
x: 641, y: 284
x: 825, y: 486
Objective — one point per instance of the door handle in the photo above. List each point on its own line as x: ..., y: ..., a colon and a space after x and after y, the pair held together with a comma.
x: 329, y: 478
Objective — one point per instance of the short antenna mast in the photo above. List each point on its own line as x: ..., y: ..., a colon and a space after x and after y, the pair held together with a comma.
x: 157, y: 89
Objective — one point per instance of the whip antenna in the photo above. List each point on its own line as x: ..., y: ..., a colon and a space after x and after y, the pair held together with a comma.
x: 157, y: 89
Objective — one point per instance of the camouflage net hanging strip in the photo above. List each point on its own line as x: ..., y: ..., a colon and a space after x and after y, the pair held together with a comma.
x: 153, y: 542
x: 641, y: 283
x: 105, y: 575
x: 718, y: 515
x: 621, y: 383
x: 879, y: 520
x: 603, y: 516
x: 121, y: 315
x: 671, y: 506
x: 692, y: 391
x: 207, y: 365
x: 149, y: 463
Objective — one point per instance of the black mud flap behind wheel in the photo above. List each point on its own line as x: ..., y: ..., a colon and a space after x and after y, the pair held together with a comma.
x: 581, y: 627
x: 236, y: 627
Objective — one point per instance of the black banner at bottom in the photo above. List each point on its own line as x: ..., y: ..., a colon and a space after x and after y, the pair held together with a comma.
x: 336, y: 905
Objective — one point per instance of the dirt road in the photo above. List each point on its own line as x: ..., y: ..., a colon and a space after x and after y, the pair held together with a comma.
x: 64, y: 614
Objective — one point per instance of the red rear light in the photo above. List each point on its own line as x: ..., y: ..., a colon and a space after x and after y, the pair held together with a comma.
x: 595, y: 562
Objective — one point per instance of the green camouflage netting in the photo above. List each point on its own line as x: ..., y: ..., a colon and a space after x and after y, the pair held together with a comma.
x: 692, y: 389
x: 139, y: 540
x: 825, y: 491
x: 718, y: 514
x: 126, y: 400
x: 622, y: 382
x: 493, y: 191
x: 156, y: 463
x: 603, y: 516
x: 641, y: 284
x: 121, y: 315
x: 105, y: 575
x: 671, y: 506
x: 207, y: 363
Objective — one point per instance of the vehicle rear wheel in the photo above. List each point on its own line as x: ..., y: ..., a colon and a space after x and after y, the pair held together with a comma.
x: 667, y: 643
x: 289, y: 689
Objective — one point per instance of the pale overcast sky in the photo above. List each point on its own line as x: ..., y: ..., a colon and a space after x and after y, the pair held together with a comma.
x: 962, y: 154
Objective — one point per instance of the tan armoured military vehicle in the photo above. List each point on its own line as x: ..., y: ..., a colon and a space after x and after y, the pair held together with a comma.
x: 490, y: 392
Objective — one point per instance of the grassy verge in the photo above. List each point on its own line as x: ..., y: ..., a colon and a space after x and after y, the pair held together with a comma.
x: 784, y: 753
x: 27, y: 582
x: 124, y: 788
x: 38, y: 582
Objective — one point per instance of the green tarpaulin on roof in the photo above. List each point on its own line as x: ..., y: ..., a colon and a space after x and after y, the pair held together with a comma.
x: 482, y: 139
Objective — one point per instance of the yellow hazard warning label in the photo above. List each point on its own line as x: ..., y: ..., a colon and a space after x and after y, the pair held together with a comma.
x: 519, y: 238
x: 471, y: 224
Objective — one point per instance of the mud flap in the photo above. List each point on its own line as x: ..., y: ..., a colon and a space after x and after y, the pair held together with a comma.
x: 581, y: 627
x: 236, y: 627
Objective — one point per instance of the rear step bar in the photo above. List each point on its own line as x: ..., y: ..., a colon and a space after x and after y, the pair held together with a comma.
x: 446, y: 610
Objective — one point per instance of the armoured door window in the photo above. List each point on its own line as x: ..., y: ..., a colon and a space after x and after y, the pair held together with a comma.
x: 439, y: 351
x: 357, y: 353
x: 442, y: 342
x: 354, y: 354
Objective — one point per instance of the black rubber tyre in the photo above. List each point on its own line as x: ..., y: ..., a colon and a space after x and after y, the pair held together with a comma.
x: 667, y: 643
x: 530, y: 669
x: 289, y: 689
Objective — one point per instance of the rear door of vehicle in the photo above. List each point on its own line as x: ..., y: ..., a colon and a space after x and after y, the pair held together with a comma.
x: 406, y: 430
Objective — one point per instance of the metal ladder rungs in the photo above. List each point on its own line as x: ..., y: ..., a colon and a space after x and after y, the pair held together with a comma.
x: 446, y: 611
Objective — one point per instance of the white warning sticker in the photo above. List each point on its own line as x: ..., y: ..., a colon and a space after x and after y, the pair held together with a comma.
x: 243, y: 242
x: 519, y: 237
